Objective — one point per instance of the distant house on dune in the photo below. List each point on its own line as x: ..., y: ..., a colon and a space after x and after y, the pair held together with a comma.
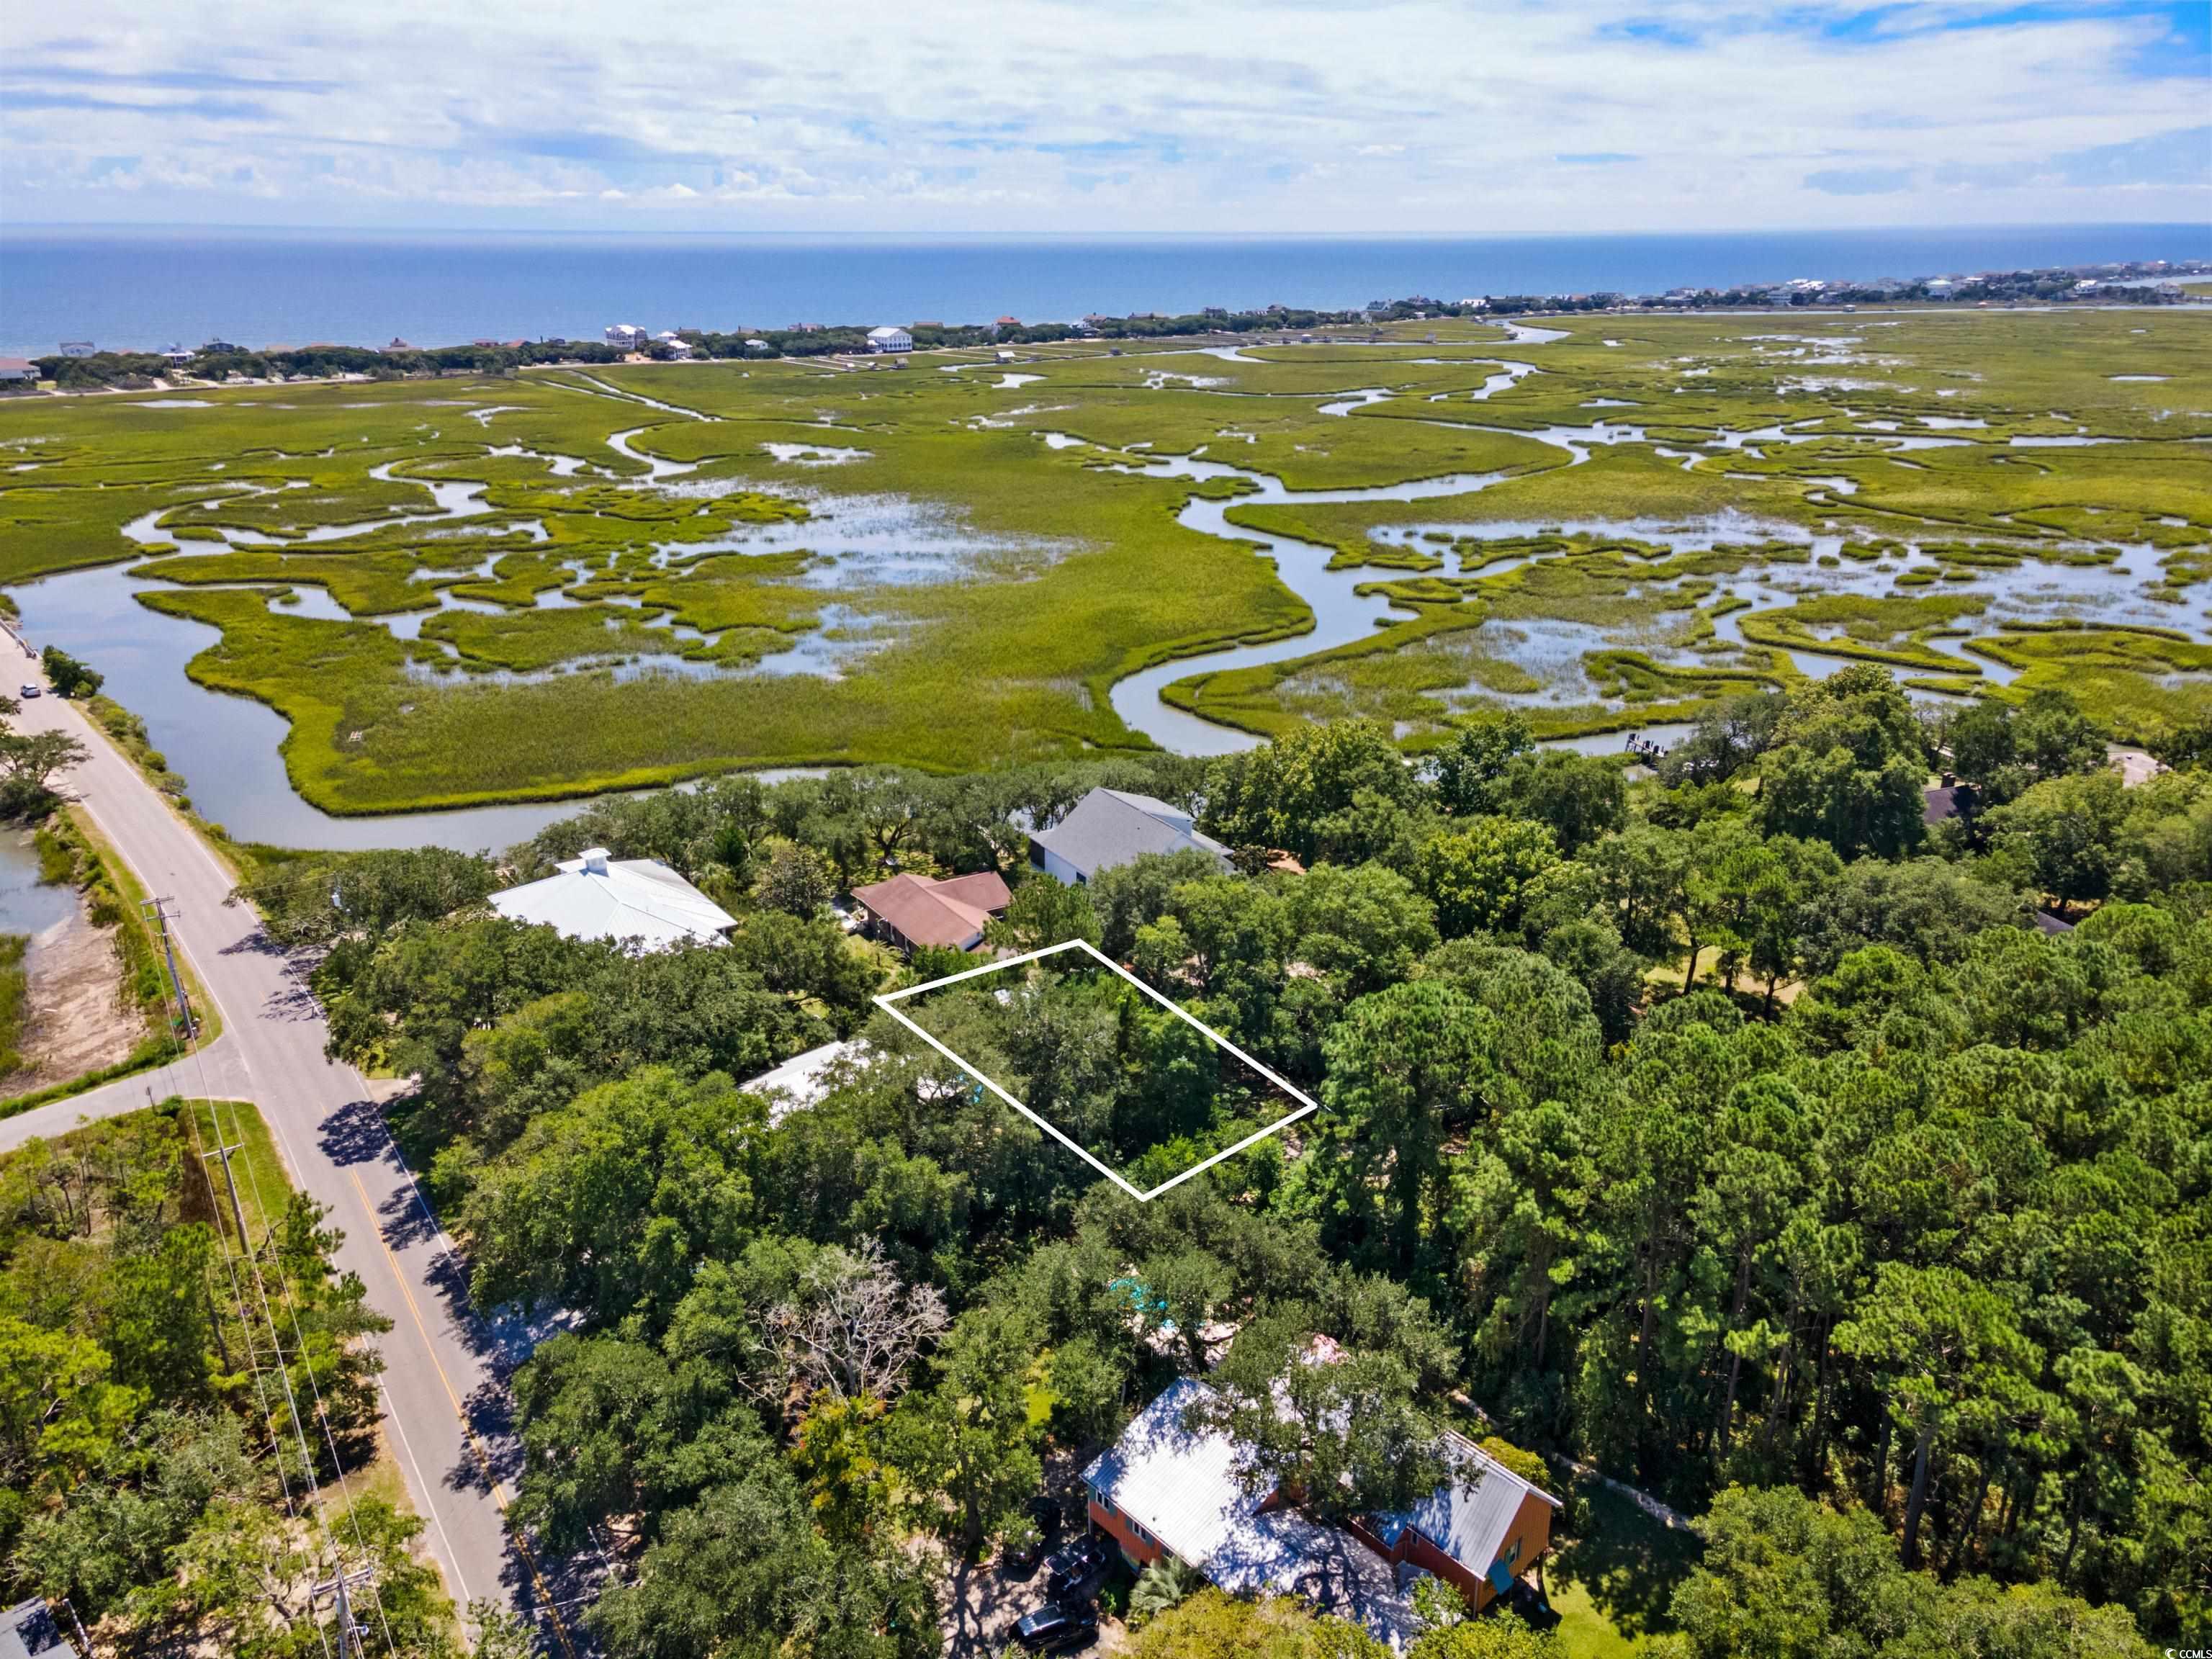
x: 910, y: 910
x: 888, y: 338
x: 1110, y: 827
x: 595, y: 896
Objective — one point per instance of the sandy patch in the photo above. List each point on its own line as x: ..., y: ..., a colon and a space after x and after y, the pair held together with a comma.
x: 77, y: 1021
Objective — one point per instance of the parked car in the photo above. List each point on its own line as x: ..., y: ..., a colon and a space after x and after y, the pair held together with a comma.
x: 1074, y: 1567
x: 30, y: 690
x: 1058, y: 1627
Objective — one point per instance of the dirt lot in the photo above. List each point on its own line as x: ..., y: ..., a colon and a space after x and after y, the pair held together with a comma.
x: 984, y: 1604
x: 77, y: 1020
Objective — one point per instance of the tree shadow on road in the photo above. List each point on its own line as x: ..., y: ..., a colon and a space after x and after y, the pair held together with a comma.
x: 355, y: 1134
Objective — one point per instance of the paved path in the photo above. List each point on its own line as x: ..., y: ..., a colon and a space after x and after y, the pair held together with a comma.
x: 445, y: 1403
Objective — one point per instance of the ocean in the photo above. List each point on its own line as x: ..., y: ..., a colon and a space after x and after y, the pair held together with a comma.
x: 148, y: 289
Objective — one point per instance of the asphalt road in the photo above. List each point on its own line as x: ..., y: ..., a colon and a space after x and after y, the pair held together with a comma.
x: 445, y: 1403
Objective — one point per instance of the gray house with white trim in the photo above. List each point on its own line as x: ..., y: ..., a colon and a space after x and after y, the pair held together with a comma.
x: 1109, y: 827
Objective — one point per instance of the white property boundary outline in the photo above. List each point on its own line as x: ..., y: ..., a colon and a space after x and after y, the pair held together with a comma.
x: 1307, y: 1103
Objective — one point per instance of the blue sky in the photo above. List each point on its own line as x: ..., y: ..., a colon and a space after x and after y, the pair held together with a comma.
x: 1335, y: 116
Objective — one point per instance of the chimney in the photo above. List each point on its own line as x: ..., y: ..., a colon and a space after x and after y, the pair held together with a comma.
x: 595, y: 861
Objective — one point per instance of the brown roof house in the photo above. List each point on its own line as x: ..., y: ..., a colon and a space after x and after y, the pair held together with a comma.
x: 908, y: 910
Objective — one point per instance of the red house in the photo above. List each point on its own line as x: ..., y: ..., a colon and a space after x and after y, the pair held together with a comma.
x: 910, y: 910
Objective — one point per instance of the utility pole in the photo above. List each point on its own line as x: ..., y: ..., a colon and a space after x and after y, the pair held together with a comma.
x: 352, y: 1643
x: 230, y: 1181
x: 158, y: 910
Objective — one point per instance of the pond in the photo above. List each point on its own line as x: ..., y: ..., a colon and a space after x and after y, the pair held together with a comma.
x: 27, y: 905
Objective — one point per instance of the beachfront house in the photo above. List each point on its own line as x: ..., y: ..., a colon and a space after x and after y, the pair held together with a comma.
x: 176, y: 356
x: 910, y: 910
x: 625, y: 337
x: 1165, y: 1488
x: 890, y: 338
x: 77, y: 348
x: 634, y: 901
x: 1110, y: 827
x: 18, y: 371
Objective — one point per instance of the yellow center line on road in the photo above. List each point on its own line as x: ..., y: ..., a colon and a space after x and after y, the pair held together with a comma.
x: 477, y: 1446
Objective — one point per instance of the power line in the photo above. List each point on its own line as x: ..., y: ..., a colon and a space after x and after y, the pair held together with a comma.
x: 158, y: 908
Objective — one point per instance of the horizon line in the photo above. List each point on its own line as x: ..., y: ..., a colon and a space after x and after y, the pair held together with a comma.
x: 196, y: 228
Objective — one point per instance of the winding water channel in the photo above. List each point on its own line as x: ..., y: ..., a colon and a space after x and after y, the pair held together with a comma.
x: 228, y: 748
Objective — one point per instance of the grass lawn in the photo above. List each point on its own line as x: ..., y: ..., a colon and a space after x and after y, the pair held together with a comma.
x: 1611, y: 1585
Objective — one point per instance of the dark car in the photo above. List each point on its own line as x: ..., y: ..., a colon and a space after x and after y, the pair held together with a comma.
x: 1074, y: 1565
x: 1057, y: 1627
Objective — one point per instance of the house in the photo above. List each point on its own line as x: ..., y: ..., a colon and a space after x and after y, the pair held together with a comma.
x: 18, y: 371
x: 219, y: 345
x: 759, y: 349
x: 1166, y: 1488
x: 1007, y: 322
x: 1947, y: 799
x: 675, y: 344
x: 888, y: 338
x: 77, y: 348
x: 1479, y: 1531
x: 1110, y: 827
x: 625, y: 337
x: 910, y: 910
x: 396, y: 344
x: 801, y: 1081
x: 595, y: 896
x: 27, y: 1631
x: 177, y: 356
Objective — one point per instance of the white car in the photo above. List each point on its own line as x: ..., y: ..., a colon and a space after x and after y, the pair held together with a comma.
x: 31, y: 691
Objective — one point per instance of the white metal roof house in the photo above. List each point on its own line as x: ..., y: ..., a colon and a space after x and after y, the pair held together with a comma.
x: 621, y: 899
x: 890, y: 338
x: 27, y: 1631
x: 1166, y: 1489
x: 1109, y: 827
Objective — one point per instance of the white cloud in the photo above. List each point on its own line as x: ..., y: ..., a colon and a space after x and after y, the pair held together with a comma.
x: 1407, y: 115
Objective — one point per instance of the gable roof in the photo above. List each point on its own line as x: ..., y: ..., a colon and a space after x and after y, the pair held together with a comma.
x: 1469, y: 1516
x: 1180, y: 1485
x: 1110, y: 827
x: 950, y: 912
x: 598, y: 898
